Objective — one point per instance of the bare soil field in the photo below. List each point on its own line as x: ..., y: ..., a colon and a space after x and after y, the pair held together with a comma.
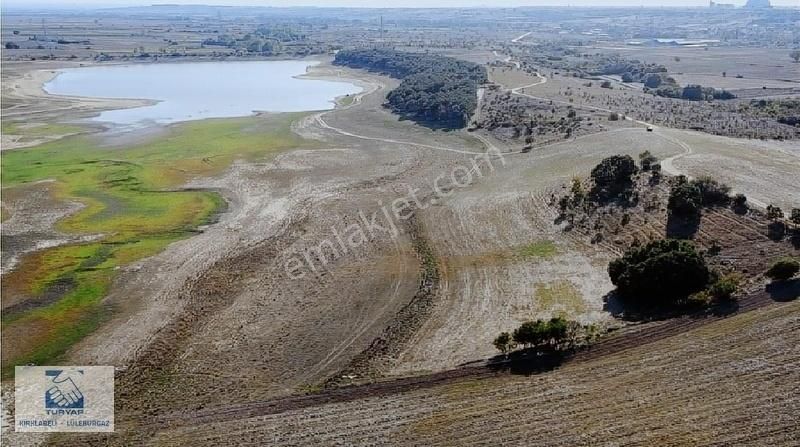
x: 733, y: 380
x: 758, y: 66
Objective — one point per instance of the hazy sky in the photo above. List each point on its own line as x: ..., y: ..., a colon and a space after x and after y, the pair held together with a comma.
x: 395, y: 3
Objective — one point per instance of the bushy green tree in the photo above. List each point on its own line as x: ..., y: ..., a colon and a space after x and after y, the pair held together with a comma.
x: 613, y: 176
x: 774, y: 212
x: 503, y: 342
x: 646, y: 160
x: 783, y: 269
x: 724, y: 288
x: 685, y: 199
x: 659, y: 273
x: 712, y: 192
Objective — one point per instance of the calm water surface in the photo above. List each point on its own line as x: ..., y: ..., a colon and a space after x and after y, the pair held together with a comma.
x: 198, y: 90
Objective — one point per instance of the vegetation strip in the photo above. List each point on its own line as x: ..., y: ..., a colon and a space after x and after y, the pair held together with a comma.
x: 436, y: 91
x: 132, y: 200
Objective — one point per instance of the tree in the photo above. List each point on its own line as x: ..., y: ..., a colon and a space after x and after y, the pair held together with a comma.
x: 712, y: 192
x: 795, y: 54
x: 662, y: 272
x: 783, y: 269
x: 693, y: 93
x: 774, y: 212
x: 795, y: 216
x: 613, y: 176
x: 503, y: 342
x: 652, y: 80
x: 541, y: 334
x: 11, y: 46
x: 724, y: 288
x: 646, y: 160
x: 685, y: 199
x: 740, y: 200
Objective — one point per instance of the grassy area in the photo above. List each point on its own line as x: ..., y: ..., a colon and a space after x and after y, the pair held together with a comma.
x: 39, y: 129
x: 131, y: 198
x: 537, y: 249
x: 346, y: 100
x: 560, y: 297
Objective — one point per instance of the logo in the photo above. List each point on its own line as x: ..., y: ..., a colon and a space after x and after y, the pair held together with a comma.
x: 64, y: 394
x: 64, y: 399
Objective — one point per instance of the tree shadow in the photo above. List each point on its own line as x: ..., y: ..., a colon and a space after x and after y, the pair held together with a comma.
x: 795, y: 239
x: 682, y: 227
x: 776, y: 231
x: 784, y: 291
x: 740, y: 209
x: 445, y: 126
x: 528, y: 361
x: 627, y: 311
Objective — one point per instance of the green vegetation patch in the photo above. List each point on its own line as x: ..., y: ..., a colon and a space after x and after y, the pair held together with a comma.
x: 538, y: 249
x: 559, y: 296
x: 132, y: 202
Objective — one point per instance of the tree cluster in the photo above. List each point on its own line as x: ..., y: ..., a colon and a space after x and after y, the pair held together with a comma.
x: 783, y: 269
x: 613, y: 177
x: 693, y: 92
x: 435, y: 89
x: 551, y: 335
x: 688, y: 197
x: 661, y: 273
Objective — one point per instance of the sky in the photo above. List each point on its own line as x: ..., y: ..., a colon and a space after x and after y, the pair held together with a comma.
x: 374, y: 3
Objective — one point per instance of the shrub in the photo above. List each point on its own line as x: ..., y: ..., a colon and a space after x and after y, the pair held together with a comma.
x: 661, y: 272
x: 795, y: 216
x: 724, y: 288
x: 652, y: 81
x: 712, y: 192
x: 613, y: 175
x: 503, y: 342
x: 647, y: 160
x: 740, y: 200
x: 783, y: 269
x: 774, y: 212
x: 541, y: 333
x: 613, y: 116
x: 685, y: 199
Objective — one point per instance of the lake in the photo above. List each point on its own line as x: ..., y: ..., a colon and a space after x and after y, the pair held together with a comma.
x: 199, y: 90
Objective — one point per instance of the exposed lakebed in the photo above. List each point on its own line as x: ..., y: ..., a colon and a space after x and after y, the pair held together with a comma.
x: 199, y: 90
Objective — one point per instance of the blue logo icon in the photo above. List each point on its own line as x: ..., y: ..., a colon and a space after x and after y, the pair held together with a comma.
x: 62, y: 392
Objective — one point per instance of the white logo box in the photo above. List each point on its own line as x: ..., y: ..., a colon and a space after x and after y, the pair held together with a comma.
x: 64, y: 399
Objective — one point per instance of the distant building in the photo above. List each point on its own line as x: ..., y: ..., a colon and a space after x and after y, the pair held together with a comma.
x: 714, y: 5
x: 667, y: 42
x: 758, y: 4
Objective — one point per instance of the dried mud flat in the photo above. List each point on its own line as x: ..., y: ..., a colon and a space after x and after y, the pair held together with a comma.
x: 217, y: 314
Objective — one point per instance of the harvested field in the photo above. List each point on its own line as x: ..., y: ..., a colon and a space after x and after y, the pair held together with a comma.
x: 744, y: 393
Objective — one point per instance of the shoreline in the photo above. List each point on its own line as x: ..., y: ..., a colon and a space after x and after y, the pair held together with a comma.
x: 28, y: 86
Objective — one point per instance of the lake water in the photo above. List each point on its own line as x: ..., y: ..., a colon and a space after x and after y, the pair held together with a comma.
x: 198, y: 90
